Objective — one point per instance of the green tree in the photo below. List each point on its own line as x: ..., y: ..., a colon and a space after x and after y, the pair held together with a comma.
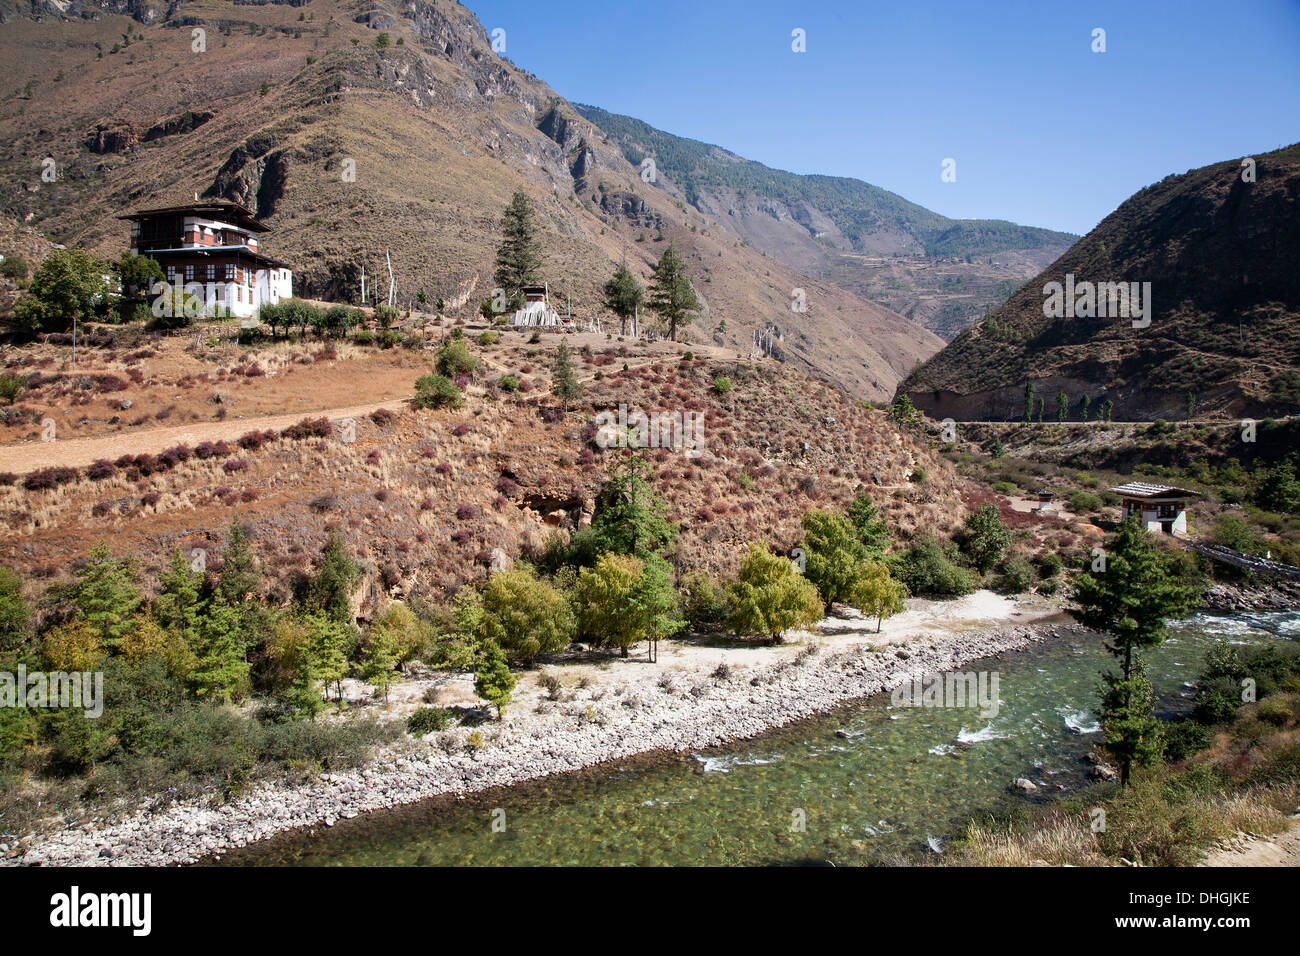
x: 629, y: 518
x: 220, y: 671
x: 876, y: 593
x: 179, y: 604
x: 1279, y: 489
x: 334, y: 582
x: 833, y: 553
x: 624, y: 600
x: 329, y: 642
x: 1062, y: 405
x: 107, y: 594
x: 872, y: 531
x: 564, y: 384
x: 1128, y: 722
x: 524, y: 616
x: 379, y: 667
x: 903, y: 412
x: 518, y: 259
x: 986, y: 538
x: 671, y: 293
x: 136, y: 276
x: 409, y: 635
x: 68, y: 286
x: 1139, y: 588
x: 1029, y: 399
x: 1084, y: 402
x: 769, y: 596
x: 15, y: 614
x: 623, y: 295
x: 493, y: 680
x: 239, y: 577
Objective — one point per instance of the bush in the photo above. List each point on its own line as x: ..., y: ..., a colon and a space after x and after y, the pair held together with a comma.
x: 14, y: 267
x: 1017, y: 575
x: 508, y: 383
x: 703, y: 600
x: 1049, y: 565
x: 1084, y: 501
x: 454, y: 359
x: 926, y: 569
x: 309, y: 428
x: 525, y: 616
x: 45, y: 479
x: 487, y: 338
x: 436, y: 391
x: 11, y: 386
x: 427, y: 720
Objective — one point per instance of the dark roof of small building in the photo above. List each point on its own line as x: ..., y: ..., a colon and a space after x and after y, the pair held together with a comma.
x: 1141, y: 489
x: 218, y: 209
x: 243, y: 251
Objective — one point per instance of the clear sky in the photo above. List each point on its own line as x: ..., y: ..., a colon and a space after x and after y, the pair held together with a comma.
x: 1044, y: 131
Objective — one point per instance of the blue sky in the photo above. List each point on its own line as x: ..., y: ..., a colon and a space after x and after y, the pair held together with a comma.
x: 1043, y: 130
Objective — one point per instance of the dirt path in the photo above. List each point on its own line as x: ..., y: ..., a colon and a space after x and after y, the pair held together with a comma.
x: 1282, y: 849
x: 79, y: 452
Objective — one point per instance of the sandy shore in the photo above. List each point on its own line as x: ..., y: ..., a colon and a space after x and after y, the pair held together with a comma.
x: 605, y: 711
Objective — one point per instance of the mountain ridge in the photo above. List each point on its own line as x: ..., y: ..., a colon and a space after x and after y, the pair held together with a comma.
x: 1224, y: 328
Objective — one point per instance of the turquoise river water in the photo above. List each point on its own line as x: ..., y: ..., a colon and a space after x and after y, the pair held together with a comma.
x: 867, y: 782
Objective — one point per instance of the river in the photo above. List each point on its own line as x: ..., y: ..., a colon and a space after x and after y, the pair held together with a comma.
x: 866, y: 783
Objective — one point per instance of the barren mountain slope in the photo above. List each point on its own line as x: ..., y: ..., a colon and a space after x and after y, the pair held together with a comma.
x: 1219, y: 252
x: 351, y: 148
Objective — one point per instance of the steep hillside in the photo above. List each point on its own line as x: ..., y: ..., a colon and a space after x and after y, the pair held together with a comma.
x: 944, y: 273
x: 1219, y: 253
x: 358, y: 129
x: 424, y: 497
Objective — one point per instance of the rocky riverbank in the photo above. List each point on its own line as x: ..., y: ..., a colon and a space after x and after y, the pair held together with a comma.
x: 1279, y: 595
x: 691, y: 704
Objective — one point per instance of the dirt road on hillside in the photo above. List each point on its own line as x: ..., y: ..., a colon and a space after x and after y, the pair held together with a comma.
x: 79, y: 452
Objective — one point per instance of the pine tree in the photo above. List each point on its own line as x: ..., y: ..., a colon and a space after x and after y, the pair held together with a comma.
x: 1062, y: 405
x: 328, y: 643
x: 1138, y: 590
x: 872, y: 531
x: 518, y: 259
x: 671, y: 294
x: 220, y: 671
x: 15, y: 614
x: 623, y: 295
x: 493, y: 681
x: 629, y: 518
x: 380, y: 667
x: 107, y: 595
x: 239, y: 574
x: 986, y: 538
x: 178, y: 604
x: 337, y: 576
x: 1029, y: 400
x: 564, y: 384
